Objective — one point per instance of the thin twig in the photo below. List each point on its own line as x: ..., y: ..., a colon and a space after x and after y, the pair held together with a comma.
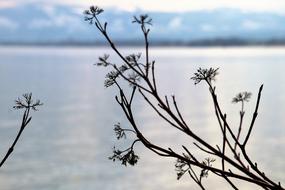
x: 254, y: 116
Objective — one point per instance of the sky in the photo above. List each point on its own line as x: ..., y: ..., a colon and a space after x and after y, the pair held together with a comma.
x: 63, y: 20
x: 274, y: 6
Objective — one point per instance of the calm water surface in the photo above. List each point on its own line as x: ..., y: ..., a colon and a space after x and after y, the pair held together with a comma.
x: 68, y: 141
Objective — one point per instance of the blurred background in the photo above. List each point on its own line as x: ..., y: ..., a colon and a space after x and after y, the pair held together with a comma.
x: 48, y: 49
x: 186, y: 22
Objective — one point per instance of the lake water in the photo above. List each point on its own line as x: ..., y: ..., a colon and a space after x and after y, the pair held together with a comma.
x: 67, y: 144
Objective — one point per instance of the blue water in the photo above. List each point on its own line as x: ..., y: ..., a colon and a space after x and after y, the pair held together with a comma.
x: 68, y: 141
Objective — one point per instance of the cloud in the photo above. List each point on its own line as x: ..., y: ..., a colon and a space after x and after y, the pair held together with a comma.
x: 185, y: 5
x: 49, y: 10
x: 251, y: 25
x: 66, y: 21
x: 6, y: 4
x: 175, y: 23
x: 55, y: 18
x: 7, y: 23
x: 276, y: 6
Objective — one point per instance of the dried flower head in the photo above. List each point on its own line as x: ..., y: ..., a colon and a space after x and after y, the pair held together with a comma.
x: 93, y: 10
x: 242, y: 97
x: 103, y: 61
x: 27, y: 102
x: 111, y: 78
x: 120, y: 133
x: 126, y: 158
x: 206, y: 162
x: 92, y: 13
x: 142, y: 20
x: 181, y: 167
x: 205, y: 74
x: 133, y: 58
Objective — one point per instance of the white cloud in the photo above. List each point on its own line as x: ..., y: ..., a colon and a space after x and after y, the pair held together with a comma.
x: 57, y: 21
x: 251, y: 25
x: 63, y: 20
x: 175, y: 23
x: 48, y: 9
x: 183, y: 5
x: 7, y: 23
x: 7, y: 4
x: 277, y: 6
x: 55, y: 18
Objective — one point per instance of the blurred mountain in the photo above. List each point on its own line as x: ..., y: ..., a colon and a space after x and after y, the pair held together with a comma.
x: 36, y: 23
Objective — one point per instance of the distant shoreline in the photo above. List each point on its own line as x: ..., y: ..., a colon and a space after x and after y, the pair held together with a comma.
x: 232, y: 42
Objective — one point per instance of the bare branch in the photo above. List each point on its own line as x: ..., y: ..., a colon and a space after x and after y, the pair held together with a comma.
x: 27, y: 104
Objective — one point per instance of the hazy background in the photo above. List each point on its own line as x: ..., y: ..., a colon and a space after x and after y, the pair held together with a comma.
x: 44, y: 50
x: 43, y: 21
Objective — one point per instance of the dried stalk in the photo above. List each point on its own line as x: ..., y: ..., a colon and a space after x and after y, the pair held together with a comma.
x: 234, y: 163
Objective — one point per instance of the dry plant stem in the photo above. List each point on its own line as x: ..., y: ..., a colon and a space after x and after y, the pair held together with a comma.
x: 131, y: 82
x: 223, y: 117
x: 240, y: 125
x: 242, y: 112
x: 26, y: 119
x: 167, y: 153
x: 162, y: 108
x: 242, y: 147
x: 224, y: 144
x: 104, y: 32
x: 153, y: 76
x: 128, y: 112
x: 254, y: 166
x: 164, y: 152
x: 139, y: 72
x: 27, y: 104
x: 254, y: 116
x: 195, y: 178
x: 145, y: 32
x: 223, y: 128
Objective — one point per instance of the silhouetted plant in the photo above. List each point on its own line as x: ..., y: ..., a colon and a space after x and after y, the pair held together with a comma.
x: 232, y: 161
x: 127, y: 156
x: 27, y: 104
